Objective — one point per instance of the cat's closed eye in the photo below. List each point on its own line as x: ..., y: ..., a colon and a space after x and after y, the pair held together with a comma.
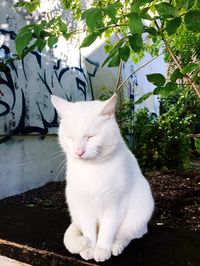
x: 90, y: 137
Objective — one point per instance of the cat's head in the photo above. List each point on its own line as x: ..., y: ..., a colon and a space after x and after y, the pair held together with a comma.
x: 87, y: 130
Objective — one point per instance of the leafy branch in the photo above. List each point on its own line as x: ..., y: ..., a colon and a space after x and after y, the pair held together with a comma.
x: 143, y: 25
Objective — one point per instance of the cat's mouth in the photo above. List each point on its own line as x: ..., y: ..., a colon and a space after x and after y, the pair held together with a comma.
x: 85, y: 157
x: 80, y: 157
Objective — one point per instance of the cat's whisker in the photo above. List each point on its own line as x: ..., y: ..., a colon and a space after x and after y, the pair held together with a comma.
x: 60, y: 168
x: 24, y: 163
x: 57, y: 152
x: 55, y: 157
x: 61, y: 172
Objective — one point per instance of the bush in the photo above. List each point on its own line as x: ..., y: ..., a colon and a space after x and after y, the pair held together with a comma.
x: 161, y: 142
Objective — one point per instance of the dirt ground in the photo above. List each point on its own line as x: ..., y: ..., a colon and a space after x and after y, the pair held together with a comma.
x: 177, y: 197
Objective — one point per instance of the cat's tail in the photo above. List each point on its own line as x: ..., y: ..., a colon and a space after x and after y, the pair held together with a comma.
x: 74, y: 241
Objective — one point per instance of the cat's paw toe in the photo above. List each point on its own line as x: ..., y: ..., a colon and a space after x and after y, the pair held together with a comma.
x: 117, y: 248
x: 87, y: 254
x: 101, y: 254
x: 76, y: 245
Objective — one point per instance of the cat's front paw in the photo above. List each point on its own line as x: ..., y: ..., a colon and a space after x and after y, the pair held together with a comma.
x: 117, y: 248
x: 101, y: 254
x: 87, y: 254
x: 76, y: 245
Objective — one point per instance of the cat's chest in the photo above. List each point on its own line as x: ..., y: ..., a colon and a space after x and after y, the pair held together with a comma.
x: 96, y: 182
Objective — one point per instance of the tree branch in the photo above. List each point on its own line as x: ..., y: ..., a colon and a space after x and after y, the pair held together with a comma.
x: 173, y: 56
x: 176, y: 61
x: 119, y: 76
x: 133, y: 72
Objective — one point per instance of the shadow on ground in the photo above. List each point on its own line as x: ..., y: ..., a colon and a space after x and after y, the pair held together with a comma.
x: 35, y: 235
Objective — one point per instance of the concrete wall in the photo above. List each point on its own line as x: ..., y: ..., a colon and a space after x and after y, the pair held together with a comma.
x: 29, y: 161
x: 26, y: 113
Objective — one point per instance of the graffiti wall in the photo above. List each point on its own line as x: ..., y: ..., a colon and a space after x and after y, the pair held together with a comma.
x: 26, y: 86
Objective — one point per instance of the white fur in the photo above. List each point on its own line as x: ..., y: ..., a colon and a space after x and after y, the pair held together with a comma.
x: 109, y: 199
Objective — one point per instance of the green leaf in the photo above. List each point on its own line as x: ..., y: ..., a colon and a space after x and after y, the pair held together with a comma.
x: 191, y: 3
x: 94, y: 19
x: 67, y: 35
x: 172, y: 25
x: 29, y: 49
x: 197, y: 144
x: 168, y: 89
x: 136, y: 42
x: 22, y: 40
x: 144, y: 97
x: 124, y: 52
x: 45, y: 33
x: 152, y: 31
x: 135, y: 23
x: 20, y: 4
x: 66, y: 3
x: 37, y: 29
x: 115, y: 61
x: 62, y: 25
x: 26, y: 28
x: 166, y: 10
x: 198, y: 3
x: 181, y: 3
x: 53, y: 21
x: 192, y: 20
x: 176, y: 75
x: 135, y: 8
x: 156, y: 78
x: 111, y: 11
x: 157, y: 90
x: 52, y: 40
x: 189, y: 68
x: 41, y: 44
x: 144, y: 2
x: 88, y: 12
x: 109, y: 57
x: 146, y: 16
x: 89, y: 39
x: 114, y: 51
x: 32, y: 7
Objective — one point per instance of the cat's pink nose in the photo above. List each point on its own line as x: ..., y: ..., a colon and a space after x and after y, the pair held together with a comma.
x: 79, y: 152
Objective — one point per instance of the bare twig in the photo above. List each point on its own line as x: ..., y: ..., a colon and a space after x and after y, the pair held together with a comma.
x: 194, y: 136
x: 99, y: 29
x: 133, y: 72
x: 119, y: 76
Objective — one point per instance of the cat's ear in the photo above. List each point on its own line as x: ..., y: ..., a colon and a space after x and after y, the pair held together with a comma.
x: 109, y: 106
x: 59, y: 104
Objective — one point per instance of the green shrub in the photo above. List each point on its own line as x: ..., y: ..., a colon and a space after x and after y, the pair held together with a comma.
x: 161, y: 142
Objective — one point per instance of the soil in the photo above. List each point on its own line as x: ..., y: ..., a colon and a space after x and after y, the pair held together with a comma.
x: 177, y: 197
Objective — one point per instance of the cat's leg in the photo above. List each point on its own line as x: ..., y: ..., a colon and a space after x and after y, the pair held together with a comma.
x: 109, y: 225
x: 124, y: 236
x: 89, y: 230
x: 133, y: 226
x: 74, y: 241
x: 83, y: 215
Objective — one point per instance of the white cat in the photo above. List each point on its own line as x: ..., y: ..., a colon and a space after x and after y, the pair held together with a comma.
x: 109, y: 200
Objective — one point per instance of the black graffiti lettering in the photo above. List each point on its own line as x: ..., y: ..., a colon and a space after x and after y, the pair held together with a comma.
x: 7, y: 108
x: 81, y: 85
x: 66, y: 81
